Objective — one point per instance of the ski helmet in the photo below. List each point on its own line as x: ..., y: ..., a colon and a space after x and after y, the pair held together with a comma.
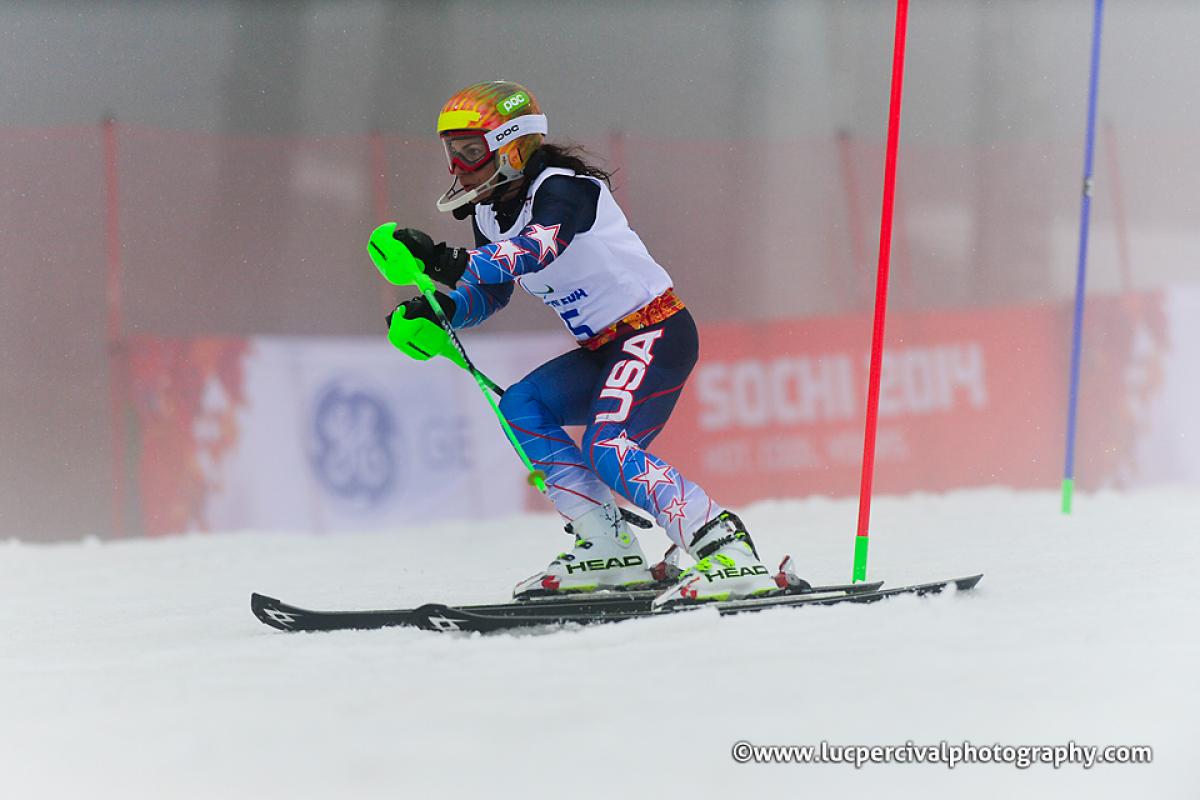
x: 496, y: 120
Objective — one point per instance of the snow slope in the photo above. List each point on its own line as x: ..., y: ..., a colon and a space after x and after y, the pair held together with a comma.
x: 135, y: 669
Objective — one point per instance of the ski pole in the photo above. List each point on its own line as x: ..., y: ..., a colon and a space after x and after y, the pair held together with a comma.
x: 398, y: 265
x: 1085, y: 213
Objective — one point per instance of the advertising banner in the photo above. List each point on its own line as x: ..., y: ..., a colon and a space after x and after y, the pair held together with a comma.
x: 968, y: 398
x: 320, y: 434
x: 346, y: 434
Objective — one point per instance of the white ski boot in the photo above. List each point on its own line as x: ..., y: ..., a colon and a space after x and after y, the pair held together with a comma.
x: 606, y: 556
x: 726, y: 568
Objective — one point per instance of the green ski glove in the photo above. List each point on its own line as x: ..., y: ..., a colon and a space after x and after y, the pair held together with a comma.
x: 395, y: 261
x: 420, y: 338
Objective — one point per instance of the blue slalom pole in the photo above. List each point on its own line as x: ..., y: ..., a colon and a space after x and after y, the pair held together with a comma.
x: 1068, y: 487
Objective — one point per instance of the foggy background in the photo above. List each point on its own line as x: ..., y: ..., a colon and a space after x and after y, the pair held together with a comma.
x: 256, y: 145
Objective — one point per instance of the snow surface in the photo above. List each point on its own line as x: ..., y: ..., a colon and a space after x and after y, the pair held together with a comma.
x: 135, y: 669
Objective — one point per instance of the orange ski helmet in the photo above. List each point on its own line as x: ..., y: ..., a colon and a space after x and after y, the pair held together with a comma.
x: 496, y: 120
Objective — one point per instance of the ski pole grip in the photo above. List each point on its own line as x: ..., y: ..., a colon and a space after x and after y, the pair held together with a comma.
x: 395, y: 262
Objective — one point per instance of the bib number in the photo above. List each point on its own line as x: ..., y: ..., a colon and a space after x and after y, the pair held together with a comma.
x: 582, y: 330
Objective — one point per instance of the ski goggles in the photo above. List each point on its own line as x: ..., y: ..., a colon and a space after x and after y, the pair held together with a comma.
x: 466, y: 150
x: 471, y: 149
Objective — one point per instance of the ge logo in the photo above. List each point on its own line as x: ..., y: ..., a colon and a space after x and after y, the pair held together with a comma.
x: 354, y: 436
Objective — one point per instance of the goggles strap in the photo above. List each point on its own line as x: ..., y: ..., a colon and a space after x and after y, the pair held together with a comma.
x: 518, y: 126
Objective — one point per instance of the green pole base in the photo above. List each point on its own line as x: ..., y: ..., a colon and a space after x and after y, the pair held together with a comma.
x: 1068, y: 492
x: 860, y: 558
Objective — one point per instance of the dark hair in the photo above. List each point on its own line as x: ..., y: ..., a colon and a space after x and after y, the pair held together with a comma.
x: 571, y: 156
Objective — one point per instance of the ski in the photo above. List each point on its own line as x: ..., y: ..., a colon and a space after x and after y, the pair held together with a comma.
x: 286, y: 617
x: 590, y: 609
x: 437, y: 617
x: 615, y: 595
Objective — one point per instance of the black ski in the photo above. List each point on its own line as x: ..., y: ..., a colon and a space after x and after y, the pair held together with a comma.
x: 437, y: 617
x: 589, y: 609
x: 287, y: 617
x: 636, y: 600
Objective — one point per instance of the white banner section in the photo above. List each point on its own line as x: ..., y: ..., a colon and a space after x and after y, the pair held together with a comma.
x: 1169, y: 425
x: 349, y: 434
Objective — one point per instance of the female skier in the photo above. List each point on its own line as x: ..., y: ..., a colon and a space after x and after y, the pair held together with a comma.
x: 545, y: 220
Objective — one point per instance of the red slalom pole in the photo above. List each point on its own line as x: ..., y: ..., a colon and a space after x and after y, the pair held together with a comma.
x: 861, y: 539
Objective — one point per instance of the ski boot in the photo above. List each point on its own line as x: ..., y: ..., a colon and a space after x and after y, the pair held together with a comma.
x: 726, y: 568
x: 606, y: 555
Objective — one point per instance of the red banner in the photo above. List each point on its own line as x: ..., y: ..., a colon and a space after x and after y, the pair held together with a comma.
x: 186, y: 395
x: 968, y: 398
